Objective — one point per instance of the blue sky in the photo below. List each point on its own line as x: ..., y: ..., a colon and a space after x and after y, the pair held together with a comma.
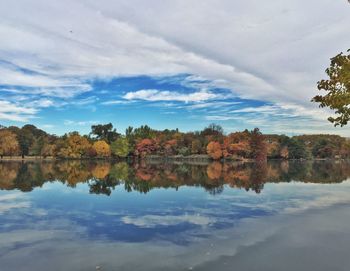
x: 243, y: 64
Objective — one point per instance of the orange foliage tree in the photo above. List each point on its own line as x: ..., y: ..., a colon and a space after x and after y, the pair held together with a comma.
x: 236, y: 145
x: 214, y: 150
x: 258, y: 145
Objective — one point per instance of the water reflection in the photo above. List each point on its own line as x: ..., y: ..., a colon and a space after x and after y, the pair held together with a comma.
x: 185, y: 217
x: 104, y: 177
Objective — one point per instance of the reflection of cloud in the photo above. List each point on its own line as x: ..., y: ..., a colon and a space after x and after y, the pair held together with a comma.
x: 64, y: 236
x: 12, y: 201
x: 151, y: 221
x: 8, y: 206
x: 319, y: 202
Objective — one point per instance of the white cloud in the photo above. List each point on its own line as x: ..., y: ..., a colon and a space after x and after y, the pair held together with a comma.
x: 113, y: 102
x: 157, y: 95
x: 274, y: 51
x: 13, y: 108
x: 243, y: 48
x: 80, y: 123
x: 15, y: 112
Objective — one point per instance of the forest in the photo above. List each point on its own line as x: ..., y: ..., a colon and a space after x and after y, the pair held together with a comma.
x: 211, y: 143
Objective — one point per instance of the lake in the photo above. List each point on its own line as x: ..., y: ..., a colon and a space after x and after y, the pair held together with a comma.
x: 76, y: 215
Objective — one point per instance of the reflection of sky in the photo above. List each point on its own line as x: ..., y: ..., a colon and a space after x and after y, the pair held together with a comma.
x: 188, y: 217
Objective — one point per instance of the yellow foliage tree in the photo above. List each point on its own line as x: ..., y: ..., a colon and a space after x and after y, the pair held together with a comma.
x: 75, y: 146
x: 8, y: 143
x: 102, y: 149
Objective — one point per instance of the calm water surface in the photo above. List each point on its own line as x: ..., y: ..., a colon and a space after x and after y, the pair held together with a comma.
x: 101, y: 216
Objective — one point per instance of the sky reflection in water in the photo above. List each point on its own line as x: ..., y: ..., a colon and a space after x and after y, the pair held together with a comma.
x: 78, y: 215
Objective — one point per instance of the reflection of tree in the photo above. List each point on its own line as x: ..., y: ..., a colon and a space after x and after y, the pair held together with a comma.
x: 100, y: 171
x: 258, y: 176
x: 106, y: 177
x: 103, y: 186
x: 120, y: 171
x: 103, y: 177
x: 8, y: 173
x: 73, y: 172
x: 29, y: 176
x: 214, y: 170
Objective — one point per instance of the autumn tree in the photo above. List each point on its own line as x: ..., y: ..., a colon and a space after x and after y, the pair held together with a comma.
x: 236, y: 145
x: 196, y: 146
x: 323, y: 149
x: 102, y: 149
x: 214, y: 150
x: 75, y: 146
x: 120, y: 147
x: 145, y: 146
x: 345, y: 149
x: 48, y: 150
x: 258, y: 145
x: 170, y: 147
x: 284, y: 152
x: 337, y: 87
x: 8, y: 143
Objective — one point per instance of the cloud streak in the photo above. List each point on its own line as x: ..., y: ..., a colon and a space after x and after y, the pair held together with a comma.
x: 157, y: 95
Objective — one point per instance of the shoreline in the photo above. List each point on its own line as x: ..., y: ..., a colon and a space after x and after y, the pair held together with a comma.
x: 201, y: 158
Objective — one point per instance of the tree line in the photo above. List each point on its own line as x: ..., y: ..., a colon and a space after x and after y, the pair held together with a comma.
x: 144, y: 142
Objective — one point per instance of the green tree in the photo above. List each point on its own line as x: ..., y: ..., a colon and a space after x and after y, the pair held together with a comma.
x: 26, y: 137
x: 104, y: 132
x: 37, y: 146
x: 213, y: 129
x: 296, y: 149
x: 143, y: 132
x: 120, y: 147
x: 337, y: 88
x: 25, y: 140
x: 120, y: 171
